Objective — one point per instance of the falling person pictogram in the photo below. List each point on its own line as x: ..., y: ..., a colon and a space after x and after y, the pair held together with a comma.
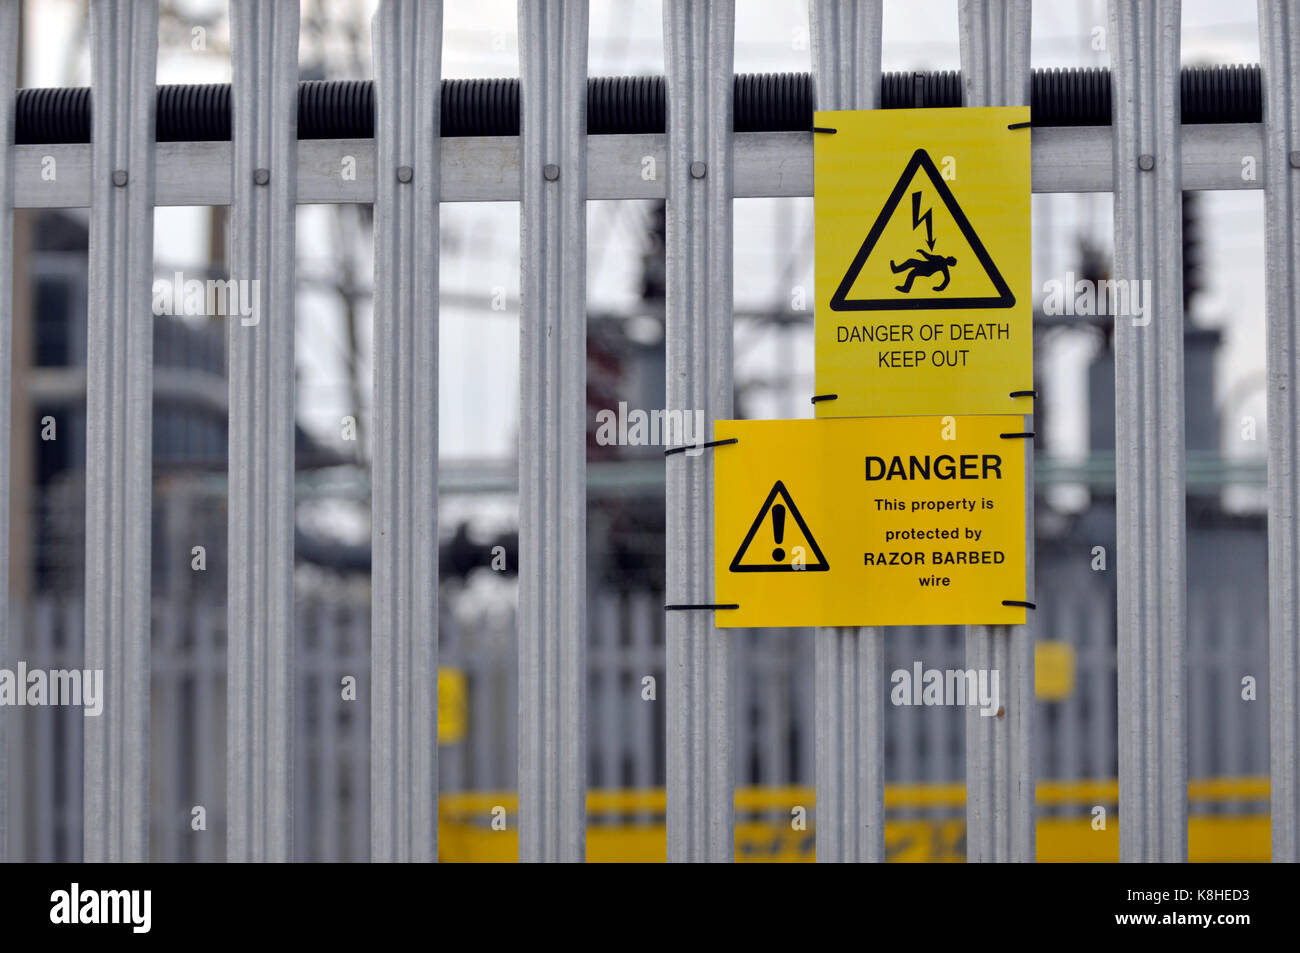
x: 926, y: 266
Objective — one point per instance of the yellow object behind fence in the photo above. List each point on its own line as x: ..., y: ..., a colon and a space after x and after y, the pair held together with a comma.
x: 1053, y: 670
x: 453, y: 706
x: 628, y: 826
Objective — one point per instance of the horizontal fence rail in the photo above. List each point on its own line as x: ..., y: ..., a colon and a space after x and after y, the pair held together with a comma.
x: 766, y: 164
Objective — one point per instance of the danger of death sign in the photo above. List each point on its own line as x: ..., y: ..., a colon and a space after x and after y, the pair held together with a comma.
x: 870, y: 521
x: 922, y: 263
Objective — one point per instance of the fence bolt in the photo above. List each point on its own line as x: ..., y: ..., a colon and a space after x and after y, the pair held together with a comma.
x: 404, y: 173
x: 698, y: 169
x: 262, y: 176
x: 550, y: 172
x: 1294, y: 158
x: 120, y: 177
x: 1146, y: 162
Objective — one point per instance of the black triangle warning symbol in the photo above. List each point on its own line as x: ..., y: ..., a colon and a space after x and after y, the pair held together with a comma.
x: 782, y: 556
x: 929, y: 267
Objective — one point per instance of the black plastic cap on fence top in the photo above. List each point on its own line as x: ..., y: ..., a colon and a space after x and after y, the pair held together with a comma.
x: 764, y: 102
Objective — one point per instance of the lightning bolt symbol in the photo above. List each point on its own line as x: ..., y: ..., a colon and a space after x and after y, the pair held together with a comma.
x: 918, y: 218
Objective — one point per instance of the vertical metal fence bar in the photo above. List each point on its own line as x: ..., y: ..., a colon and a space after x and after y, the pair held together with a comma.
x: 46, y: 646
x: 1205, y: 648
x: 485, y: 772
x: 1064, y: 628
x: 206, y: 773
x: 999, y: 750
x: 325, y: 763
x: 175, y: 743
x: 404, y: 538
x: 119, y: 419
x: 307, y: 675
x: 20, y: 838
x: 699, y: 41
x: 742, y: 733
x: 939, y: 760
x: 612, y: 702
x: 1279, y: 41
x: 553, y: 430
x: 642, y: 655
x: 9, y: 51
x: 68, y: 734
x: 451, y: 653
x: 264, y: 106
x: 1102, y: 710
x: 357, y: 784
x: 1149, y: 437
x: 1233, y: 736
x: 850, y: 662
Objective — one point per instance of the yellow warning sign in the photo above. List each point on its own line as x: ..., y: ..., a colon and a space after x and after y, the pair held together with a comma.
x: 870, y: 521
x: 923, y: 275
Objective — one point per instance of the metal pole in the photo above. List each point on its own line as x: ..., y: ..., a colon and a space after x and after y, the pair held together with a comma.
x: 264, y: 100
x: 553, y: 431
x: 10, y: 51
x: 999, y: 750
x: 1149, y: 443
x: 850, y: 662
x: 119, y: 427
x: 698, y: 52
x: 1279, y: 41
x: 404, y: 535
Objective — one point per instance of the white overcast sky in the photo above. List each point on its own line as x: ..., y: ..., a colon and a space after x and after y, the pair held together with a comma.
x: 479, y: 360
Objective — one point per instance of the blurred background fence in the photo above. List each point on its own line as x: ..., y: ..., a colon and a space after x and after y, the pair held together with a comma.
x: 925, y: 746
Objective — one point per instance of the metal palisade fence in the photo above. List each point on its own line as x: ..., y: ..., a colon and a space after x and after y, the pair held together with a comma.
x: 1146, y: 157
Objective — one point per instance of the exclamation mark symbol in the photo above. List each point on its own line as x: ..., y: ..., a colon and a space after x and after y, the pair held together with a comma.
x: 778, y: 529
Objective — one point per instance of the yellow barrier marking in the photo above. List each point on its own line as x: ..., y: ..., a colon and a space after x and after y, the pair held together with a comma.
x: 601, y: 803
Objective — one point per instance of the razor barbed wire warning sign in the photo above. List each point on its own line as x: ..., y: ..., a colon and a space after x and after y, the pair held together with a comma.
x: 918, y: 521
x: 790, y: 552
x: 959, y: 246
x: 922, y: 264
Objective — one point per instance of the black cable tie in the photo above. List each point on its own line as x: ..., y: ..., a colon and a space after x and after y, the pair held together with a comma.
x: 1017, y: 436
x: 687, y: 608
x: 1020, y: 125
x: 1018, y: 603
x: 825, y: 129
x: 700, y: 446
x: 821, y: 397
x: 1025, y: 393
